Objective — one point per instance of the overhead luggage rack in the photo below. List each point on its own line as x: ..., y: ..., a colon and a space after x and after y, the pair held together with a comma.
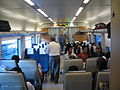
x: 95, y: 31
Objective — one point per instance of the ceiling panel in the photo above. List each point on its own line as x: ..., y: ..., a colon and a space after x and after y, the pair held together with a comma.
x: 10, y: 4
x: 95, y: 9
x: 58, y: 10
x: 20, y: 10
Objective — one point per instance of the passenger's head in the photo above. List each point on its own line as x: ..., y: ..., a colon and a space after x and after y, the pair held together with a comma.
x: 93, y: 44
x: 85, y: 49
x: 52, y: 38
x: 70, y: 50
x: 98, y: 49
x: 101, y: 64
x: 16, y: 58
x: 107, y: 55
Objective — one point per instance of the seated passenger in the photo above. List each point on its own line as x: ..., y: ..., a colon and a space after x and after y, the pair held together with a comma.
x: 73, y: 68
x: 93, y: 48
x: 101, y: 64
x: 98, y: 52
x: 68, y: 45
x: 84, y: 55
x: 70, y: 54
x: 18, y: 69
x: 107, y: 55
x: 78, y: 49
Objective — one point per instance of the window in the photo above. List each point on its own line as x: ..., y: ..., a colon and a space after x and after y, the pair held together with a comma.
x: 98, y: 40
x: 19, y: 47
x: 9, y: 48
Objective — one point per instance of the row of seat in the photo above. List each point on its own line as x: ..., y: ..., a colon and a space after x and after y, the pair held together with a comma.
x: 83, y: 81
x: 29, y: 68
x: 43, y: 59
x: 90, y: 64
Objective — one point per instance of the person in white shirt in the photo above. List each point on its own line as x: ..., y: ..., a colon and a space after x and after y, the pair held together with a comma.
x: 70, y: 54
x: 54, y: 59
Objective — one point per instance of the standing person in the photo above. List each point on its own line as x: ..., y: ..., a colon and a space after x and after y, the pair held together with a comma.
x: 54, y: 59
x: 62, y: 41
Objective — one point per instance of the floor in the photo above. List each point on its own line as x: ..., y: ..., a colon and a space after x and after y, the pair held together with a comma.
x: 48, y: 85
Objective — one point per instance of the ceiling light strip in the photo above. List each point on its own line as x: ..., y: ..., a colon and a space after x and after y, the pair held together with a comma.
x: 39, y: 10
x: 73, y: 19
x: 86, y: 1
x: 43, y: 13
x: 79, y: 11
x: 29, y: 2
x: 50, y: 19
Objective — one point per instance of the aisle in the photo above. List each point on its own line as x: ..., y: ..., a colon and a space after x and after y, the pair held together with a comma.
x: 48, y: 85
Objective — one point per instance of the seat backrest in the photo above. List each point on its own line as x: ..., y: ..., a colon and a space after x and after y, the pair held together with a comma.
x: 73, y: 68
x: 78, y: 81
x: 30, y: 69
x: 8, y: 63
x: 43, y: 59
x: 73, y: 62
x: 30, y: 53
x: 12, y: 81
x: 91, y: 64
x: 102, y: 77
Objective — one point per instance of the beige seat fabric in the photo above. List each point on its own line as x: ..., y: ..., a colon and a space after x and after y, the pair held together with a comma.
x: 30, y: 69
x: 91, y: 64
x: 78, y: 81
x: 12, y: 81
x: 102, y: 77
x: 73, y: 62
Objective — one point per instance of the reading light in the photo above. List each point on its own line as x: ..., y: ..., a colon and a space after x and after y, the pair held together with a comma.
x: 29, y: 2
x: 86, y: 1
x: 42, y: 12
x: 50, y: 19
x: 79, y: 10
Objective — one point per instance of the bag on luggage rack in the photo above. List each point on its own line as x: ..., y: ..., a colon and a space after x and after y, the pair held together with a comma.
x: 4, y: 26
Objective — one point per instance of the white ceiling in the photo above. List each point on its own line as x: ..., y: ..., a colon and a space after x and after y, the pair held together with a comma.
x: 95, y: 9
x: 58, y: 10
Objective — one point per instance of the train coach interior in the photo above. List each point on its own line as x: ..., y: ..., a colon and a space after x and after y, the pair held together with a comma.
x: 30, y: 25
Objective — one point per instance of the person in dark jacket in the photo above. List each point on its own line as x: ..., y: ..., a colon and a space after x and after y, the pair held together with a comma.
x: 101, y: 65
x: 98, y: 52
